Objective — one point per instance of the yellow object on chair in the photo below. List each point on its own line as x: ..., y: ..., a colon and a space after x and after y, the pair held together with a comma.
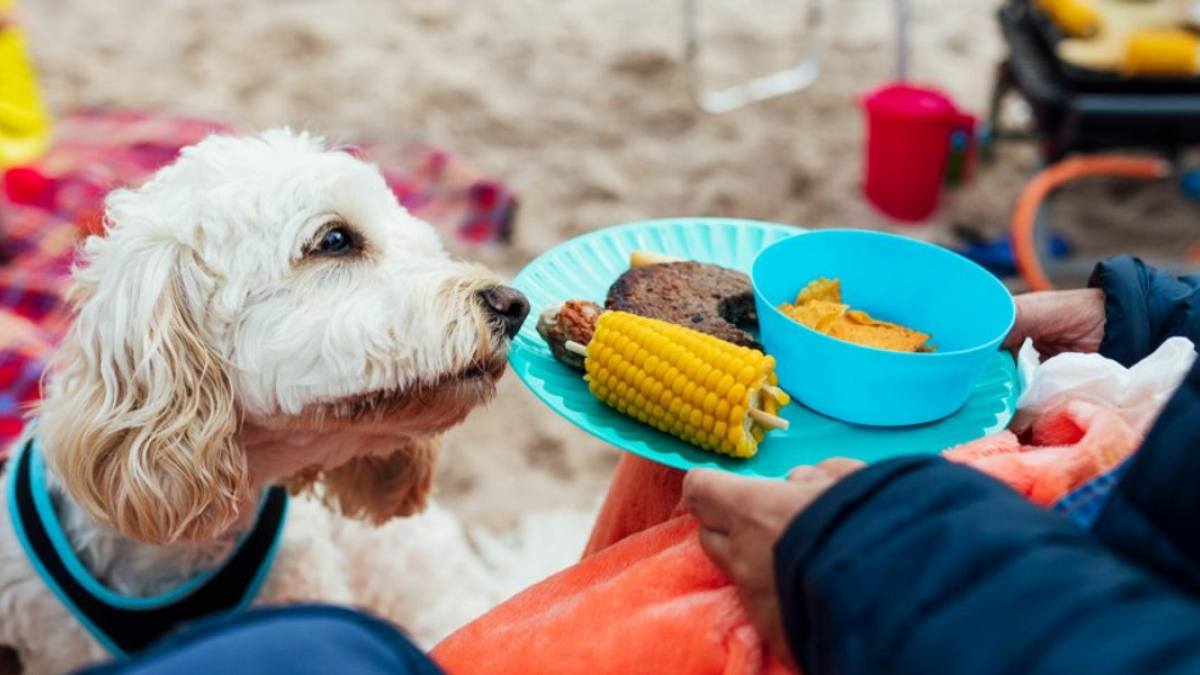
x: 1075, y: 18
x: 24, y: 123
x: 1162, y: 52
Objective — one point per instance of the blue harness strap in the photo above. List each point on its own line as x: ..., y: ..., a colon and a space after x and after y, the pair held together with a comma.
x: 126, y: 625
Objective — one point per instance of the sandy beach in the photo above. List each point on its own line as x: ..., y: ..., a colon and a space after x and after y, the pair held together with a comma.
x: 583, y: 107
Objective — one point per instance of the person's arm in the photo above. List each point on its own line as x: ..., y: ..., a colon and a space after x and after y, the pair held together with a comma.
x: 920, y: 566
x: 1143, y: 307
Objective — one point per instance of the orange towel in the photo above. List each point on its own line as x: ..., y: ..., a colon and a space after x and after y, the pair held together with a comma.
x: 646, y: 599
x: 642, y: 494
x: 652, y: 604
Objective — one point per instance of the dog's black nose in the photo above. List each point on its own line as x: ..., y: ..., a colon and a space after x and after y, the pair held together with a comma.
x: 508, y: 305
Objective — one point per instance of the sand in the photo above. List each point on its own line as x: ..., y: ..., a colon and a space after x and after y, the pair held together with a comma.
x: 584, y: 108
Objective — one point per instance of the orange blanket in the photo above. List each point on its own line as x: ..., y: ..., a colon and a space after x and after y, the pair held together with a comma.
x: 646, y: 599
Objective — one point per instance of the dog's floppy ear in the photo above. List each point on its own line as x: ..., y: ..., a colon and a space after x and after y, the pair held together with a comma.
x: 379, y: 488
x: 139, y: 422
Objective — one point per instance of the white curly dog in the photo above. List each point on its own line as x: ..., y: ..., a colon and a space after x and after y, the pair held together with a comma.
x: 262, y: 312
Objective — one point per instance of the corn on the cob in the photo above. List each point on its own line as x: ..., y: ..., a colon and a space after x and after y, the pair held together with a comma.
x: 706, y: 391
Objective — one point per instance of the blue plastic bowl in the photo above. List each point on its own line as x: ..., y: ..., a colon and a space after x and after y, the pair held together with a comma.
x: 966, y: 310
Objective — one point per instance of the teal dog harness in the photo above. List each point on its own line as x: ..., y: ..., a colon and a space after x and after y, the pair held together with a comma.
x: 123, y: 624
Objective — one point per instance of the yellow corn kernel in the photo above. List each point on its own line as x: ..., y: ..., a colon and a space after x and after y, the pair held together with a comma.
x: 711, y: 380
x: 724, y: 385
x: 747, y: 376
x: 691, y: 385
x: 722, y: 407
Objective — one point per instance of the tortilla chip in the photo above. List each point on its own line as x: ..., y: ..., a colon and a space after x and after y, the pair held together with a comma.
x: 821, y: 290
x: 818, y: 315
x: 861, y: 317
x: 819, y: 307
x: 879, y: 335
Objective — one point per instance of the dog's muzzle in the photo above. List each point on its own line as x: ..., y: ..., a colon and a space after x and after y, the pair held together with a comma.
x: 506, y: 306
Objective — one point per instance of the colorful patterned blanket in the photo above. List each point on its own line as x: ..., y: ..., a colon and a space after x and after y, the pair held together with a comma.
x: 47, y: 208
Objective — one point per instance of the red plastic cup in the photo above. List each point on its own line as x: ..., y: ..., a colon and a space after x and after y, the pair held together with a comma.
x: 908, y: 137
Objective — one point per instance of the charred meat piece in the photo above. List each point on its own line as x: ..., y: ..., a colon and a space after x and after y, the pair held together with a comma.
x: 573, y: 320
x: 700, y: 296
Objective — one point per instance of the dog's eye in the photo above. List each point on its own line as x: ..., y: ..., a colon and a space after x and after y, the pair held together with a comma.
x: 336, y: 241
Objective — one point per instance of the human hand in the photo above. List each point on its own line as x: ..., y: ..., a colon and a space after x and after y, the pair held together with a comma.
x: 740, y: 521
x: 1059, y: 321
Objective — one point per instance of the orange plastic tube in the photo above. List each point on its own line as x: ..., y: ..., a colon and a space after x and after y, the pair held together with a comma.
x: 1030, y: 202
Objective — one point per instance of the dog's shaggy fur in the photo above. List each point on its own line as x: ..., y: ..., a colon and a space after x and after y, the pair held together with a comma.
x: 225, y: 340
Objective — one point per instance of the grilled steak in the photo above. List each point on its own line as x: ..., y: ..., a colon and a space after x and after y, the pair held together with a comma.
x: 703, y: 297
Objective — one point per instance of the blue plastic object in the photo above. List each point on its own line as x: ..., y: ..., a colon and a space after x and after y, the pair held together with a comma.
x: 1189, y: 184
x: 996, y: 256
x: 963, y: 306
x: 586, y: 266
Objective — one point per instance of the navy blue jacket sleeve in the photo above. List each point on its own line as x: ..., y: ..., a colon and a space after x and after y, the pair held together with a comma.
x: 1153, y: 515
x: 1143, y: 307
x: 921, y: 566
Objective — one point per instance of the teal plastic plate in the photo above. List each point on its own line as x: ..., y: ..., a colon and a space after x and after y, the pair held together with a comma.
x: 584, y: 267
